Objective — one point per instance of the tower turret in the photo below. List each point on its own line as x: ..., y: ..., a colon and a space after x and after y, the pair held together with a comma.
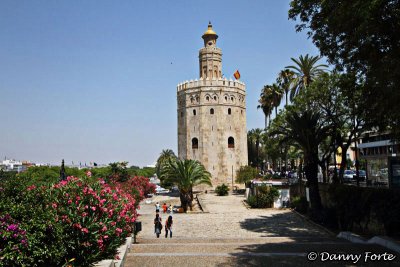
x: 210, y: 56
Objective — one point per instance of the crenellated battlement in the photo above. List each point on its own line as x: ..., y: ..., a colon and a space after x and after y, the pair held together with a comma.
x: 224, y: 82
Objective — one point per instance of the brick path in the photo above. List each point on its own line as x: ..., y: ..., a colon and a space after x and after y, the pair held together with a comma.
x: 232, y: 235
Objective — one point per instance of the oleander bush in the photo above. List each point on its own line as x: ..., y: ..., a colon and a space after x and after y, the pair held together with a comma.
x: 222, y: 190
x: 75, y: 222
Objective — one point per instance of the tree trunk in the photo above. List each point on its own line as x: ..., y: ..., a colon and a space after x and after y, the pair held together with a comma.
x: 266, y: 122
x: 185, y: 201
x: 311, y: 170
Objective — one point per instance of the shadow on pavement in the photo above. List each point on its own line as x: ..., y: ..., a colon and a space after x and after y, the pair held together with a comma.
x: 282, y: 224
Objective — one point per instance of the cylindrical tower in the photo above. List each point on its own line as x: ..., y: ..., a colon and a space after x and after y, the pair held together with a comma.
x: 212, y: 116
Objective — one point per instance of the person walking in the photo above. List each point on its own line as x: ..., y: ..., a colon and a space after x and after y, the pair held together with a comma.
x: 157, y: 225
x: 157, y: 207
x: 164, y: 207
x: 170, y: 209
x: 168, y: 227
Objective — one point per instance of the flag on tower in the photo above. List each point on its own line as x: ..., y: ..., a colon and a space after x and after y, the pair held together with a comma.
x: 237, y: 75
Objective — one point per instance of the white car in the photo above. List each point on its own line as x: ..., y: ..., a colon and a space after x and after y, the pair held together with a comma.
x: 348, y: 176
x: 161, y: 190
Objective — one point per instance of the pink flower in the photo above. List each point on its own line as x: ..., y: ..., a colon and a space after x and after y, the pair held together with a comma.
x: 54, y: 205
x: 69, y: 201
x: 104, y: 229
x: 31, y: 187
x: 85, y: 230
x: 93, y: 208
x: 118, y: 231
x: 88, y: 174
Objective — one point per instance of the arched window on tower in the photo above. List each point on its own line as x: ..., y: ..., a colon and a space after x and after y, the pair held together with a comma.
x: 212, y: 111
x: 231, y: 142
x: 195, y: 143
x: 194, y: 112
x: 229, y: 111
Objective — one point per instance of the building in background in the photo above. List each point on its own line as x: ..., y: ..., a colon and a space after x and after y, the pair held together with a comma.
x: 377, y: 149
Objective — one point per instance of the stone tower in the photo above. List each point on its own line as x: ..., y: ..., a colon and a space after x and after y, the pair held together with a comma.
x: 212, y: 116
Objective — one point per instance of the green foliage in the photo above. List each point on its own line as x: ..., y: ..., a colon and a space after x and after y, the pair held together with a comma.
x: 165, y: 156
x: 264, y: 198
x: 363, y: 42
x: 145, y: 171
x: 254, y: 142
x: 305, y: 71
x: 357, y: 205
x: 299, y: 204
x: 222, y: 190
x: 7, y: 175
x: 28, y: 209
x: 50, y: 224
x: 119, y: 171
x: 44, y: 175
x: 246, y: 174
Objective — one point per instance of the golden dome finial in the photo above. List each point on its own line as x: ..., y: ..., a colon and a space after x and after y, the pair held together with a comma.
x: 210, y: 31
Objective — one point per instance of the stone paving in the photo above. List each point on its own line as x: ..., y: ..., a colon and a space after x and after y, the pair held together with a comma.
x: 229, y: 218
x: 232, y: 235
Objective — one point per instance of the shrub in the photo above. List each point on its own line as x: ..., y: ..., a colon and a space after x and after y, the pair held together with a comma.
x: 77, y: 221
x: 222, y: 190
x: 265, y: 197
x: 299, y: 204
x: 358, y: 206
x: 96, y: 219
x: 26, y: 208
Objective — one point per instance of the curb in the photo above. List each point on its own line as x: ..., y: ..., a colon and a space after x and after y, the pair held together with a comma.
x: 122, y: 252
x: 245, y: 204
x: 201, y: 204
x: 383, y: 241
x: 314, y: 223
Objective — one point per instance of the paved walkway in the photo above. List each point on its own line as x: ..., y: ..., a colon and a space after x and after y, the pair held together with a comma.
x: 232, y: 235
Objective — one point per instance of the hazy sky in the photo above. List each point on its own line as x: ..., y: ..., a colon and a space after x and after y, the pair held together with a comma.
x: 96, y: 80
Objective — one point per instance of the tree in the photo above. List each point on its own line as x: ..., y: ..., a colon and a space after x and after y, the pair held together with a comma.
x: 165, y: 156
x: 306, y: 130
x: 305, y: 71
x: 266, y: 104
x: 336, y: 97
x: 185, y: 174
x: 256, y: 139
x: 285, y: 80
x: 361, y: 37
x: 245, y: 174
x: 119, y: 170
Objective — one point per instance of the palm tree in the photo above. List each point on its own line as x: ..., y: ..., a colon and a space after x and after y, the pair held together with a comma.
x: 270, y: 98
x: 266, y: 104
x: 257, y: 135
x: 305, y: 129
x: 285, y: 79
x: 250, y: 144
x: 185, y: 174
x: 305, y: 71
x: 165, y: 156
x: 276, y: 97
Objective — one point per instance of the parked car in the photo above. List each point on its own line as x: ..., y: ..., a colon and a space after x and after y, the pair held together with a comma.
x: 362, y: 175
x: 161, y: 190
x: 348, y: 176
